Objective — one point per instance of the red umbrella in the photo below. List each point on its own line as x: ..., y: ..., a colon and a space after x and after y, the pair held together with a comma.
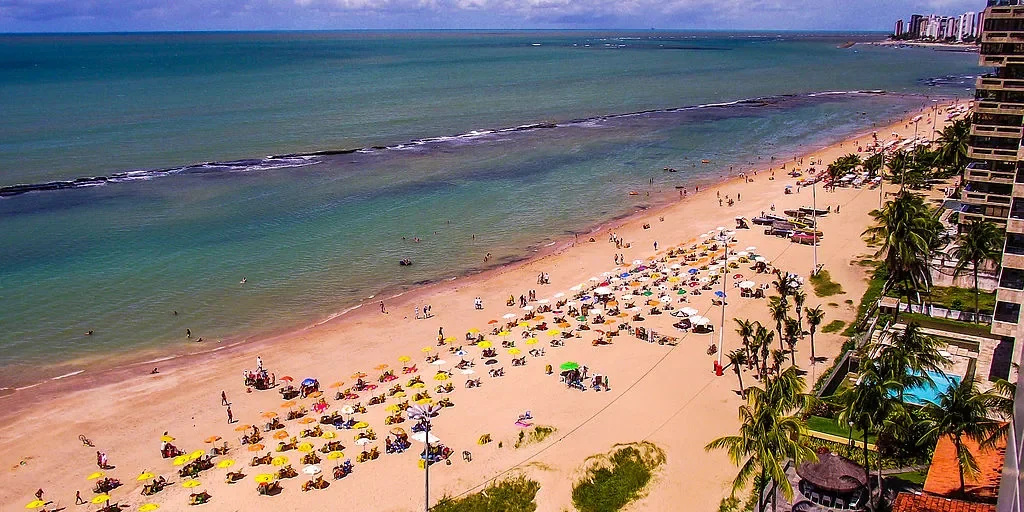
x: 493, y: 322
x: 287, y: 378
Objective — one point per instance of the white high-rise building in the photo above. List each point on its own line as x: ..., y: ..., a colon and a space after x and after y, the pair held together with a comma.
x: 966, y: 26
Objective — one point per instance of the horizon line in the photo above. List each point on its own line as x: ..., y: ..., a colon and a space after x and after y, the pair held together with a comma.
x: 427, y: 30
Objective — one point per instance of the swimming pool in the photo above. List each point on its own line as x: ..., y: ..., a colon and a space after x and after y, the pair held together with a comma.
x: 929, y: 392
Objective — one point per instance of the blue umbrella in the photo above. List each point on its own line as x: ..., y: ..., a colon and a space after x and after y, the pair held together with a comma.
x: 309, y: 382
x: 720, y: 294
x: 624, y: 275
x: 693, y: 271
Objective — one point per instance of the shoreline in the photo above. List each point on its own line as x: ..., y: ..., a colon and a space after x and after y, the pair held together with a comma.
x: 87, y: 376
x: 665, y: 394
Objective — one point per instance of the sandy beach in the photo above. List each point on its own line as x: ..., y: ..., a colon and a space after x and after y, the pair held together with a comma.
x: 665, y: 394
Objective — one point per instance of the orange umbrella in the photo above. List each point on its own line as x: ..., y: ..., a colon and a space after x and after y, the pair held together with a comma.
x: 255, y: 447
x: 337, y: 384
x: 358, y: 375
x: 492, y: 322
x: 270, y: 414
x: 242, y: 428
x: 287, y: 378
x: 280, y: 434
x: 212, y: 439
x: 380, y: 367
x: 307, y: 420
x: 316, y: 394
x: 287, y: 404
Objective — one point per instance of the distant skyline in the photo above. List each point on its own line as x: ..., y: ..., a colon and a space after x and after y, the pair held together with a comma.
x: 173, y: 15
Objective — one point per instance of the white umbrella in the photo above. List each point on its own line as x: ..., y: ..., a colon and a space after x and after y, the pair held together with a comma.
x: 439, y: 362
x: 543, y: 301
x: 743, y: 254
x: 603, y: 290
x: 627, y: 296
x: 508, y: 316
x: 348, y: 409
x: 596, y: 310
x: 468, y: 371
x: 761, y: 259
x: 559, y: 295
x: 688, y: 311
x: 665, y: 298
x: 423, y: 437
x: 577, y: 288
x: 751, y: 248
x: 527, y: 308
x: 311, y: 470
x: 747, y: 284
x: 638, y: 262
x: 606, y: 274
x: 698, y: 320
x: 595, y: 279
x: 733, y: 258
x: 362, y: 441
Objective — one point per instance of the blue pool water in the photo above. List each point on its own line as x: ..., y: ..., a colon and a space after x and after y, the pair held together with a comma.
x: 930, y: 392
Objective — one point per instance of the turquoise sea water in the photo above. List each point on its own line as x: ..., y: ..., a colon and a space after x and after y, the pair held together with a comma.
x: 519, y: 138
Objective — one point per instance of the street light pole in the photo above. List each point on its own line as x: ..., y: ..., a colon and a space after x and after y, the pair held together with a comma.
x: 814, y: 224
x: 423, y: 414
x: 721, y: 333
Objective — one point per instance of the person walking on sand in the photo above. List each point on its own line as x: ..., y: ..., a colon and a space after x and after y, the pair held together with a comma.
x: 259, y: 364
x: 382, y: 308
x: 231, y: 418
x: 78, y: 498
x: 224, y: 398
x: 655, y: 245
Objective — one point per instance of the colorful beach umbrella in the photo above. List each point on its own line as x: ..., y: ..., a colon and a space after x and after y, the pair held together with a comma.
x: 514, y: 351
x: 36, y: 504
x: 393, y: 408
x: 404, y: 359
x: 361, y: 424
x: 181, y: 460
x: 212, y: 439
x: 307, y: 420
x: 280, y: 460
x: 265, y: 478
x: 255, y: 447
x: 305, y: 447
x: 227, y: 463
x: 100, y: 499
x: 144, y: 476
x: 95, y: 475
x: 329, y: 435
x: 337, y: 384
x: 148, y: 507
x: 382, y: 366
x: 196, y: 454
x: 473, y: 330
x: 166, y: 438
x: 441, y: 376
x: 485, y: 344
x: 281, y: 434
x: 335, y: 455
x: 532, y: 341
x: 289, y: 403
x: 270, y: 414
x: 569, y: 365
x: 188, y: 484
x: 242, y: 428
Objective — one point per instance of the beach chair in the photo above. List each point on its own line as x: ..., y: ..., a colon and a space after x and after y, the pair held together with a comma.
x: 815, y: 497
x: 840, y: 503
x: 854, y: 502
x: 826, y: 500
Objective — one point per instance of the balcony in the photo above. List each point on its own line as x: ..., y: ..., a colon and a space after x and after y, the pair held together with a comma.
x: 1005, y: 36
x: 999, y: 84
x: 1000, y: 60
x: 1008, y: 12
x: 1007, y: 155
x: 991, y: 130
x: 997, y: 107
x: 979, y: 171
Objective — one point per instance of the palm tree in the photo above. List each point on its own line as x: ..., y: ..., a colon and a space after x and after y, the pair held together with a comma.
x: 799, y: 298
x: 779, y: 309
x: 769, y: 435
x: 952, y: 151
x: 814, y: 318
x: 783, y: 284
x: 737, y: 358
x: 908, y: 232
x: 910, y: 355
x: 898, y: 163
x: 960, y: 412
x: 868, y: 404
x: 792, y: 335
x: 979, y: 243
x: 745, y: 328
x: 763, y: 339
x: 1000, y: 402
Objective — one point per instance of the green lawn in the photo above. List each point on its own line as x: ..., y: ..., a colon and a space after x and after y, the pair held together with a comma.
x: 912, y: 477
x: 834, y: 326
x: 824, y: 286
x: 829, y: 426
x: 946, y: 324
x: 963, y: 298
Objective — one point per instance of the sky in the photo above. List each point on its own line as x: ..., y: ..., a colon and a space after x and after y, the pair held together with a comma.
x: 148, y: 15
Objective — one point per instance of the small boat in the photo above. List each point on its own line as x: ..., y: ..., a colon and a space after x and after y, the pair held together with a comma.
x: 634, y: 193
x: 819, y: 212
x: 705, y: 161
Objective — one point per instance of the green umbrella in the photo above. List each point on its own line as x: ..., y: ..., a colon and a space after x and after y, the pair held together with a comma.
x: 581, y: 318
x: 569, y: 365
x: 647, y: 293
x: 681, y: 292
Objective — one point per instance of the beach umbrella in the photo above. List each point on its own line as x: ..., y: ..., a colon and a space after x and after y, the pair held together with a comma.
x: 746, y: 285
x: 569, y: 365
x: 450, y: 339
x: 761, y: 259
x: 693, y: 271
x: 508, y: 316
x: 473, y: 330
x: 404, y: 359
x: 36, y: 504
x: 423, y: 437
x: 400, y: 394
x: 307, y: 420
x: 289, y: 403
x: 287, y: 378
x: 181, y: 460
x: 255, y: 447
x: 312, y: 382
x: 514, y: 351
x: 688, y: 311
x: 439, y: 362
x: 531, y: 341
x: 523, y: 324
x: 467, y: 371
x: 227, y: 463
x: 424, y: 401
x: 527, y: 308
x: 337, y: 384
x: 270, y: 414
x: 329, y: 435
x: 242, y: 428
x: 100, y: 499
x: 554, y: 332
x: 485, y: 344
x: 280, y: 460
x: 699, y: 320
x: 148, y: 507
x: 461, y: 352
x: 347, y: 409
x: 166, y: 438
x: 720, y: 294
x: 441, y: 376
x: 393, y: 408
x: 647, y: 293
x: 504, y: 333
x: 305, y: 447
x: 681, y: 292
x: 265, y: 478
x: 357, y: 375
x: 212, y: 439
x: 602, y: 290
x: 362, y: 441
x: 188, y: 484
x: 335, y: 455
x: 361, y: 424
x: 427, y: 350
x: 491, y: 322
x: 417, y: 385
x: 280, y: 434
x: 576, y: 288
x: 559, y: 295
x: 673, y: 279
x: 382, y: 366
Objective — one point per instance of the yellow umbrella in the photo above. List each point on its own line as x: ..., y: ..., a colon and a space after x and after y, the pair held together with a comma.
x: 673, y: 279
x: 504, y: 333
x: 361, y: 424
x: 450, y: 339
x: 514, y: 351
x: 532, y: 341
x: 441, y: 376
x: 424, y: 401
x: 337, y: 384
x: 280, y: 460
x: 166, y: 438
x: 265, y: 478
x: 485, y: 344
x: 329, y: 435
x: 400, y: 394
x: 474, y: 330
x: 335, y: 455
x: 393, y: 408
x: 427, y: 350
x: 316, y: 394
x: 94, y: 476
x: 418, y: 385
x: 305, y: 447
x: 523, y: 324
x: 554, y: 332
x: 404, y: 359
x: 145, y: 476
x: 270, y: 414
x: 225, y: 463
x: 36, y: 504
x: 100, y: 499
x: 242, y: 428
x: 196, y: 454
x: 148, y: 507
x: 382, y: 366
x: 188, y: 484
x: 181, y: 460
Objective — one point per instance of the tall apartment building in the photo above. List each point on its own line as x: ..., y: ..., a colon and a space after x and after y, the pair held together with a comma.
x: 898, y: 30
x: 994, y: 190
x: 914, y: 27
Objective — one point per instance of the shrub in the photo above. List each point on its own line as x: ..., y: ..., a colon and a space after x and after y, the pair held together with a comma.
x: 611, y: 481
x: 834, y: 326
x: 512, y: 495
x: 824, y: 286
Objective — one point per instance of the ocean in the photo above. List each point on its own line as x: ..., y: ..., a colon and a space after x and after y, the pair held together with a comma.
x: 163, y: 168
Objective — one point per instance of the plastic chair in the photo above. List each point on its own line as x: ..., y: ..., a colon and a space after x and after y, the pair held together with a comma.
x: 815, y: 497
x: 840, y: 503
x: 826, y: 500
x: 854, y: 501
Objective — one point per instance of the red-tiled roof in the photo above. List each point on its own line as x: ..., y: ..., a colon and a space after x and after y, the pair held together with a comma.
x: 907, y: 502
x: 944, y: 475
